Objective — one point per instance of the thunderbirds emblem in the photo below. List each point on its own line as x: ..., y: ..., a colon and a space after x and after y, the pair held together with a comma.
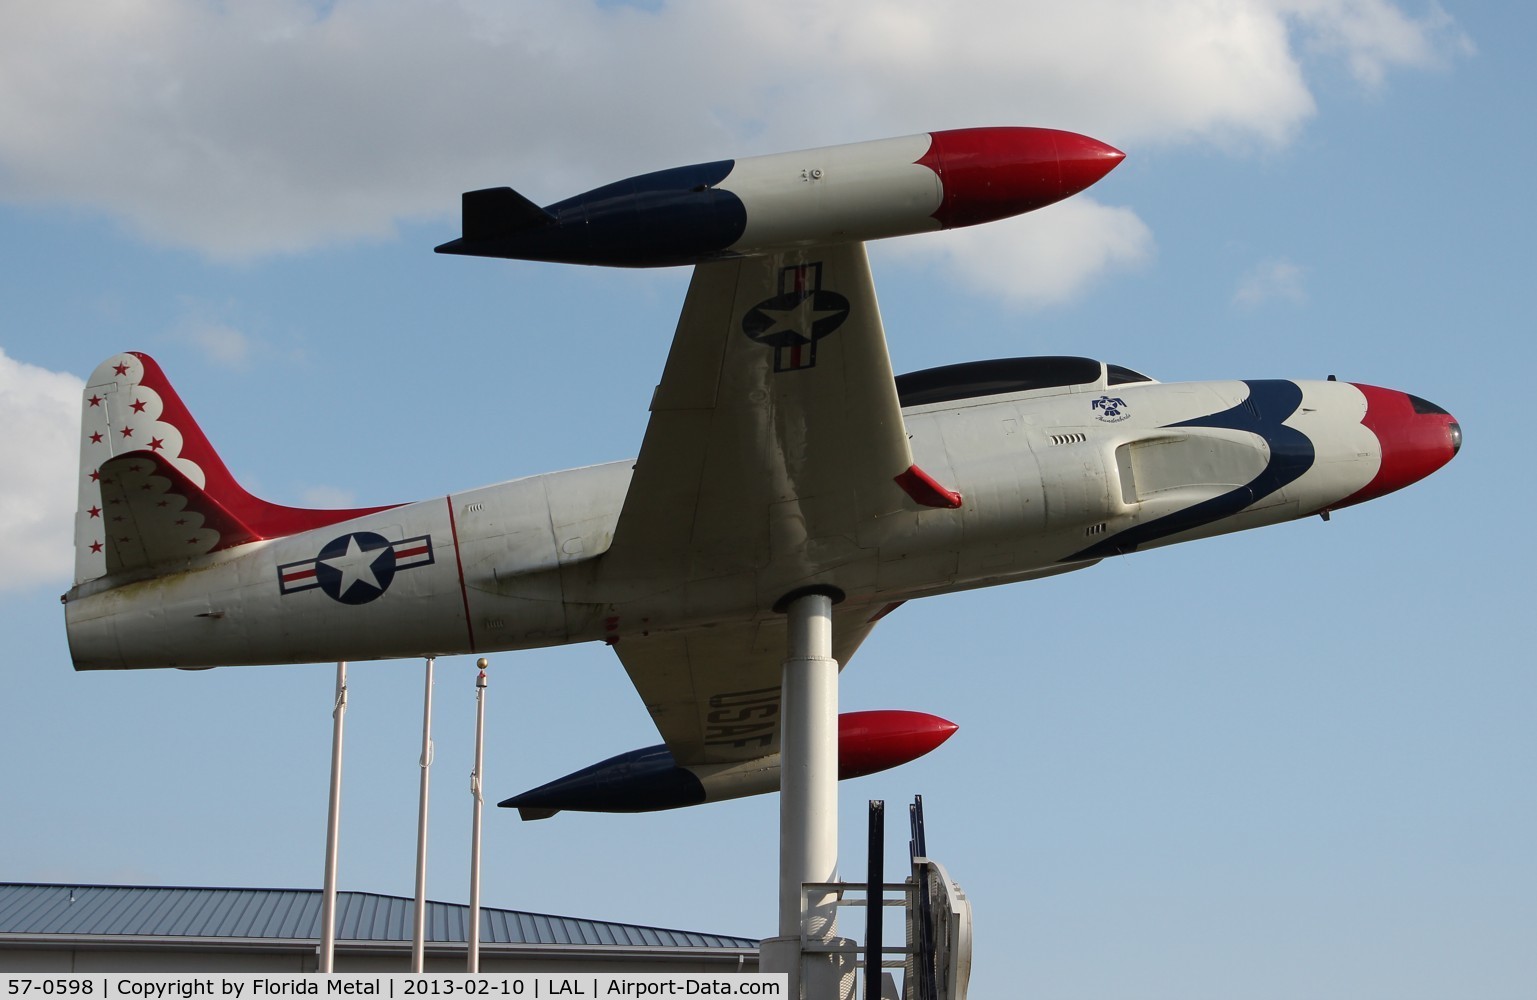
x: 355, y: 568
x: 1110, y: 409
x: 794, y: 320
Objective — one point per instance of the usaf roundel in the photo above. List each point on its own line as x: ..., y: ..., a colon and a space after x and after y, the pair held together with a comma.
x: 794, y: 320
x: 355, y: 568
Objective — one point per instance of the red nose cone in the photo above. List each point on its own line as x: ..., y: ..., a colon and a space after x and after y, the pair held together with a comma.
x: 993, y: 173
x: 1417, y: 438
x: 873, y: 741
x: 1083, y: 160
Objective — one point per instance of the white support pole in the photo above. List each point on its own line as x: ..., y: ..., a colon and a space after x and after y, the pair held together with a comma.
x: 476, y: 781
x: 333, y: 825
x: 808, y: 800
x: 419, y: 923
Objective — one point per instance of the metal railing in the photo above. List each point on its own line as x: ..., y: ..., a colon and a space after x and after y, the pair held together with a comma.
x: 935, y: 954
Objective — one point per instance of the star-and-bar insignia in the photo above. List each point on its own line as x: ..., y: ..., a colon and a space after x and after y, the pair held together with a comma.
x: 794, y: 320
x: 355, y: 568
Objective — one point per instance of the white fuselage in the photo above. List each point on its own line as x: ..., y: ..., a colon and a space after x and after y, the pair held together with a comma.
x: 1052, y: 480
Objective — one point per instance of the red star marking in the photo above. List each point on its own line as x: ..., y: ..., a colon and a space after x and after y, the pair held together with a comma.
x: 94, y: 401
x: 95, y: 546
x: 94, y: 512
x: 120, y: 517
x: 96, y: 438
x: 138, y: 406
x: 133, y: 468
x: 163, y: 503
x: 121, y: 369
x: 181, y: 520
x: 95, y: 475
x: 127, y: 432
x: 144, y: 487
x: 122, y: 538
x: 155, y: 444
x: 192, y: 541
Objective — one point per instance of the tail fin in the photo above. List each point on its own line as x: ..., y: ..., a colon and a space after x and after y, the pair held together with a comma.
x: 493, y: 212
x: 152, y: 489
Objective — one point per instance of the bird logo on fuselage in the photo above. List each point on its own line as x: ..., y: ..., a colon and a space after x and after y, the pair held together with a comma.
x: 1110, y: 409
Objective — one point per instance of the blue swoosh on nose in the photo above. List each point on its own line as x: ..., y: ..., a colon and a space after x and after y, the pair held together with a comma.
x: 1270, y: 403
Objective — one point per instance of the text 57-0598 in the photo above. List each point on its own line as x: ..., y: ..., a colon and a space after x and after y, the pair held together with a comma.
x: 59, y: 987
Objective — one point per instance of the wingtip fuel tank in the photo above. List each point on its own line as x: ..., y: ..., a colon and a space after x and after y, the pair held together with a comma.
x: 649, y: 779
x: 736, y: 208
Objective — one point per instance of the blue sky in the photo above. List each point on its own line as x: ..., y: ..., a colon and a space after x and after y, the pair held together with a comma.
x: 1297, y: 761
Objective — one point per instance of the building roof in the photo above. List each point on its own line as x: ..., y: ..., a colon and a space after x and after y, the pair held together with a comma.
x: 213, y: 914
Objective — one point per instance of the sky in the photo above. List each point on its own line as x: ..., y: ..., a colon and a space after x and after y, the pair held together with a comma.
x: 1297, y: 761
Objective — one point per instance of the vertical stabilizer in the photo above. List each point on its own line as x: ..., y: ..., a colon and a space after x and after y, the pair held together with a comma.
x: 152, y: 489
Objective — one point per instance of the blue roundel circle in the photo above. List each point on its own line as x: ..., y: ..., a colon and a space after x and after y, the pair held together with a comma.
x: 356, y: 568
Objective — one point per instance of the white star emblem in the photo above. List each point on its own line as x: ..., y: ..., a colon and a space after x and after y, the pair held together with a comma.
x: 355, y: 564
x: 800, y: 318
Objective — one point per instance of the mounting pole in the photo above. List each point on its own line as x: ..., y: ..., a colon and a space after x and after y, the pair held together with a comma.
x: 808, y: 800
x: 875, y: 900
x: 419, y: 922
x: 473, y: 931
x: 333, y: 825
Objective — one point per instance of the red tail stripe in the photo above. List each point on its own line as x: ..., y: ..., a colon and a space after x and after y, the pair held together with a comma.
x: 267, y: 520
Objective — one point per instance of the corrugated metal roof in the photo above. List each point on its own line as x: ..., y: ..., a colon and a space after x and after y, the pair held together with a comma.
x: 294, y: 914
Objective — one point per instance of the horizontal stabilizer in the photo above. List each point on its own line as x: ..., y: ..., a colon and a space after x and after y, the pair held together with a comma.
x: 153, y: 515
x: 492, y: 213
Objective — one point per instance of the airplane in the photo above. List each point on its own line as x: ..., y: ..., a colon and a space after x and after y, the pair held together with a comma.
x: 782, y: 458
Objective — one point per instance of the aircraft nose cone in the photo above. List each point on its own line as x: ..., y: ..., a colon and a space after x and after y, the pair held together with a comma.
x: 993, y: 173
x: 1417, y: 438
x: 1083, y: 161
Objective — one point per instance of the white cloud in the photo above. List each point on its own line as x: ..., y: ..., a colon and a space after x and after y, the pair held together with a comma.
x: 40, y: 410
x: 1271, y: 280
x: 1043, y: 258
x: 247, y: 129
x: 1374, y: 36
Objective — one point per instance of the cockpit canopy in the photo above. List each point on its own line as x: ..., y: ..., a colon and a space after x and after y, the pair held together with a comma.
x: 1009, y: 375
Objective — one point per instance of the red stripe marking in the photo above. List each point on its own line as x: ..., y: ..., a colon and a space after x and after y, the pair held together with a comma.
x: 298, y: 574
x: 408, y: 553
x: 464, y: 593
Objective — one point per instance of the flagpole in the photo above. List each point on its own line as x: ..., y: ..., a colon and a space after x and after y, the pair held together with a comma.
x: 419, y: 922
x: 333, y: 825
x: 476, y: 776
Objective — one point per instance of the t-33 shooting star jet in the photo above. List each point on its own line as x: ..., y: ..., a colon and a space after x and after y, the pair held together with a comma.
x: 782, y: 462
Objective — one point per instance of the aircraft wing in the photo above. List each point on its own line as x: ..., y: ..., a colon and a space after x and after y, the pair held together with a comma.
x: 714, y: 693
x: 775, y: 447
x: 776, y: 440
